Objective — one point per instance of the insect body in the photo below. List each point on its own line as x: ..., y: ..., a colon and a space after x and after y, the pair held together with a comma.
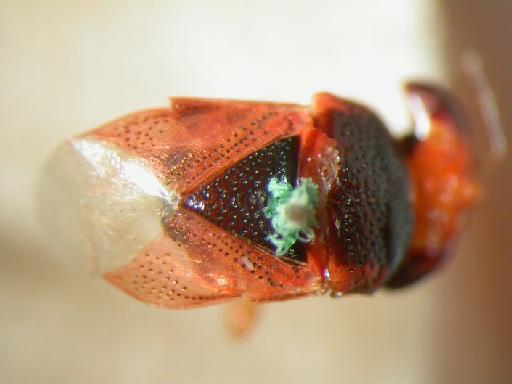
x: 210, y: 200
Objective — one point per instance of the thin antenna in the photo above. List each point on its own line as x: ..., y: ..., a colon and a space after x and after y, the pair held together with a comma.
x: 473, y: 67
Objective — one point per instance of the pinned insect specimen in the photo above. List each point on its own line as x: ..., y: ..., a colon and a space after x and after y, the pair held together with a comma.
x: 211, y: 200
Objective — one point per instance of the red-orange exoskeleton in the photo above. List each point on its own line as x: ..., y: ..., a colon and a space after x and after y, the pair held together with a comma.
x: 210, y: 200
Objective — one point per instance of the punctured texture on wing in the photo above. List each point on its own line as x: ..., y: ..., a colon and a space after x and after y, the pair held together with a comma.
x: 194, y: 262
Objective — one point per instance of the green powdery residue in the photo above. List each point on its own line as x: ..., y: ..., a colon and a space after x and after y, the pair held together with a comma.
x: 292, y: 213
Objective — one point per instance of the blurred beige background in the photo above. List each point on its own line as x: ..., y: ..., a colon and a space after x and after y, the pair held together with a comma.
x: 67, y: 66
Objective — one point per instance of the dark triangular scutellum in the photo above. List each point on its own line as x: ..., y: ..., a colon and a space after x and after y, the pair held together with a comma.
x: 236, y: 199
